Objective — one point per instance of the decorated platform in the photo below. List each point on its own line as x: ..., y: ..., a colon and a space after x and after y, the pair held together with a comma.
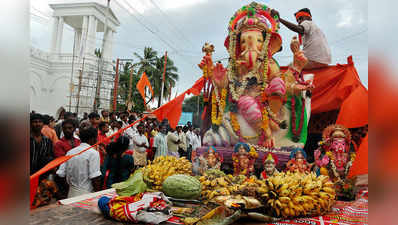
x: 84, y: 211
x: 261, y: 111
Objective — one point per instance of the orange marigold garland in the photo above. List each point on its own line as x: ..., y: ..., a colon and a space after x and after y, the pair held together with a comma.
x: 217, y: 114
x: 236, y: 127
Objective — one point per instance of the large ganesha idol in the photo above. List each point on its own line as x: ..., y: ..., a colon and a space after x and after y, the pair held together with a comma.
x: 252, y: 101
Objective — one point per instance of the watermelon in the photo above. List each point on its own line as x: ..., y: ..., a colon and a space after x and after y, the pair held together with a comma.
x: 182, y: 187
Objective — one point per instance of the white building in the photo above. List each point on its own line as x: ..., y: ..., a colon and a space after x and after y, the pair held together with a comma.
x: 51, y: 72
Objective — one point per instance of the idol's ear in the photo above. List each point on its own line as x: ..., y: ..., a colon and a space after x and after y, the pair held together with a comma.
x: 275, y: 43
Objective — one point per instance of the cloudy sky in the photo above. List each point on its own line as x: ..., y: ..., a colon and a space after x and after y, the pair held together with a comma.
x: 181, y: 27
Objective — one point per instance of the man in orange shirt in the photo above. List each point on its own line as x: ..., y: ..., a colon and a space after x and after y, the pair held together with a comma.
x: 48, y: 131
x: 103, y: 128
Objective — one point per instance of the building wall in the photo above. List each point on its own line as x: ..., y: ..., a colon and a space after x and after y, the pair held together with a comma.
x: 50, y: 77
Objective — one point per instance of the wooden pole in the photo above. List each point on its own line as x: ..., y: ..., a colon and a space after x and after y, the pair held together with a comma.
x: 130, y: 85
x: 116, y: 85
x: 164, y: 77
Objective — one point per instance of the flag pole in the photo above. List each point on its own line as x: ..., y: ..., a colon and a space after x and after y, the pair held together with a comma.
x: 164, y: 77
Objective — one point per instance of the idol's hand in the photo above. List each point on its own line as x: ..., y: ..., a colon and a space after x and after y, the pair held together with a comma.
x: 220, y: 76
x: 299, y: 61
x: 295, y: 45
x: 303, y: 87
x: 206, y: 61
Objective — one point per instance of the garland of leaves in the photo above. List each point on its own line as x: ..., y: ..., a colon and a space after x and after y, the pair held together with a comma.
x: 297, y: 131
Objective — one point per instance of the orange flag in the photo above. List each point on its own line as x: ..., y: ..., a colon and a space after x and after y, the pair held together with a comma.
x: 173, y: 109
x: 142, y: 83
x: 360, y: 164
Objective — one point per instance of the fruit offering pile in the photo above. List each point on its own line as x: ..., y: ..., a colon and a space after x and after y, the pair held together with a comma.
x: 285, y: 195
x: 162, y: 167
x: 290, y: 195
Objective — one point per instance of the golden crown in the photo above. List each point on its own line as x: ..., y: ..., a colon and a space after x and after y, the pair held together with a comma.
x: 252, y: 23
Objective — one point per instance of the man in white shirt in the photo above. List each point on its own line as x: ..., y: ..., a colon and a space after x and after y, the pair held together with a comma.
x: 315, y: 45
x: 196, y: 142
x: 140, y: 145
x: 182, y: 147
x: 82, y: 172
x: 160, y: 142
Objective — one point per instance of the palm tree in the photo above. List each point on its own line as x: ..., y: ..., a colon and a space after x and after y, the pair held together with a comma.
x: 170, y: 75
x: 147, y: 62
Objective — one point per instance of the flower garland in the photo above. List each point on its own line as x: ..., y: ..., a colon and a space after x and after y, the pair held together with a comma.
x: 265, y: 121
x: 216, y: 117
x: 266, y: 53
x: 236, y: 128
x: 234, y: 122
x: 296, y: 132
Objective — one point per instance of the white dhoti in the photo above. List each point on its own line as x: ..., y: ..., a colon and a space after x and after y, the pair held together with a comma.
x: 75, y: 191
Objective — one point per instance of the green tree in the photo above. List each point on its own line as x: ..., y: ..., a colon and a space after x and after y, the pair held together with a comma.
x: 124, y: 79
x: 171, y: 77
x: 191, y: 104
x: 147, y: 62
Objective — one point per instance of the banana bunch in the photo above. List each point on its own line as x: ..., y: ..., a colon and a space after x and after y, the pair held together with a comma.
x: 215, y: 183
x: 154, y: 173
x: 290, y: 195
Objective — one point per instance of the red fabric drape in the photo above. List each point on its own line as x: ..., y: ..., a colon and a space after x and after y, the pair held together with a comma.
x: 339, y: 87
x: 360, y: 164
x: 142, y: 83
x: 354, y: 110
x: 171, y: 110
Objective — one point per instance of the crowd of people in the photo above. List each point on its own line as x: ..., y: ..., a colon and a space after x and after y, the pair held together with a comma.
x: 111, y: 161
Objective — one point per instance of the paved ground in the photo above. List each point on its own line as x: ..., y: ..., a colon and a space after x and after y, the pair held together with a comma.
x: 68, y: 215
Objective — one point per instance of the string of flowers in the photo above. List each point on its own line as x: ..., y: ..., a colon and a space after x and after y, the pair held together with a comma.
x: 236, y: 128
x: 217, y: 114
x: 296, y: 131
x: 265, y: 53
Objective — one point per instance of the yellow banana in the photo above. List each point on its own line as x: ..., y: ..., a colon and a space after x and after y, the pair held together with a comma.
x: 278, y: 203
x: 329, y: 190
x: 284, y: 199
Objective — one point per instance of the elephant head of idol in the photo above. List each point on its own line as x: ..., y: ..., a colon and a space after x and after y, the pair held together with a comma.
x: 253, y: 36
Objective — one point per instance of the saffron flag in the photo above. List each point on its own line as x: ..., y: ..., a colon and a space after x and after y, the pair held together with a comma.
x: 360, y: 164
x: 173, y: 109
x: 142, y: 83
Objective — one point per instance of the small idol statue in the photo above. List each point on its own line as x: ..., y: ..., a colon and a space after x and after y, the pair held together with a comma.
x: 243, y: 159
x: 270, y: 161
x: 333, y: 157
x: 298, y: 161
x: 211, y: 159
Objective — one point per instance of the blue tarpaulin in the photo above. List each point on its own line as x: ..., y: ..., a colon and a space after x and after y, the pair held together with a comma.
x: 185, y: 117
